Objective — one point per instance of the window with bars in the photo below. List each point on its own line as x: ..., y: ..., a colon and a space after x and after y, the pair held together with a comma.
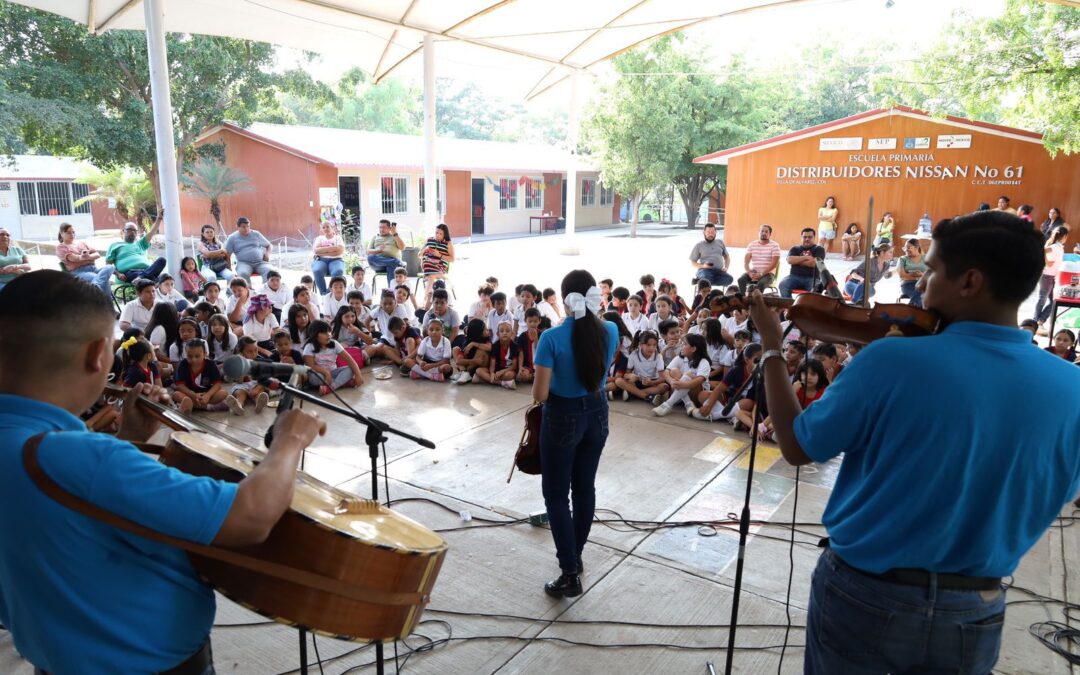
x: 54, y: 198
x: 588, y: 192
x: 27, y: 199
x: 438, y: 194
x: 51, y: 198
x: 607, y: 196
x: 508, y: 194
x: 534, y: 193
x: 79, y: 191
x: 395, y: 194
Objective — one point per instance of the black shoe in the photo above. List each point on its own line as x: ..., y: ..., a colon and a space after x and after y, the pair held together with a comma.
x: 566, y: 586
x: 580, y: 567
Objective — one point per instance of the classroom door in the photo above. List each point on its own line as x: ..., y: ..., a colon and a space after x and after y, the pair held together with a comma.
x: 477, y: 205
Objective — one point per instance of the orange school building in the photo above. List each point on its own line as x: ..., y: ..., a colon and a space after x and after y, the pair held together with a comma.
x: 909, y: 162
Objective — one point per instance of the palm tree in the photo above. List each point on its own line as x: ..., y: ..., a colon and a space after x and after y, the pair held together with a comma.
x: 212, y: 180
x: 130, y: 188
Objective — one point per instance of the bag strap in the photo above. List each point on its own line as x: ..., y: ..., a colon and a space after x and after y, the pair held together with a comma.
x: 225, y: 555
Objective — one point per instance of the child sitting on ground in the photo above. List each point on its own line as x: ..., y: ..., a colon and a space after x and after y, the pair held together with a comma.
x: 237, y: 304
x: 647, y: 292
x: 721, y: 355
x: 634, y: 319
x: 670, y: 340
x: 221, y: 341
x: 622, y: 353
x: 187, y: 330
x: 359, y: 304
x: 686, y: 372
x: 482, y: 306
x: 388, y: 308
x: 212, y: 296
x: 241, y: 392
x: 712, y: 402
x: 1064, y: 345
x: 139, y: 364
x: 308, y: 282
x: 471, y: 350
x: 261, y: 324
x: 526, y: 343
x: 826, y: 353
x: 302, y: 296
x: 810, y: 382
x: 399, y: 341
x: 335, y: 299
x: 794, y: 355
x: 276, y: 292
x: 298, y: 322
x: 284, y: 352
x: 166, y: 292
x: 499, y: 313
x: 551, y: 307
x: 527, y: 299
x: 432, y: 358
x: 663, y: 312
x: 358, y: 283
x: 442, y: 311
x: 619, y: 296
x: 643, y: 368
x: 353, y: 338
x: 198, y: 380
x: 190, y: 280
x: 321, y: 354
x: 704, y: 288
x: 502, y: 366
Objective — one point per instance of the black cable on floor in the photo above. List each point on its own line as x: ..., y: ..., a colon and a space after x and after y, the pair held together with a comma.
x: 791, y: 573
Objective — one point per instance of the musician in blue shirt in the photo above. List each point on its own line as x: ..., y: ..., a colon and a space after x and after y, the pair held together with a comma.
x: 930, y: 511
x: 77, y: 595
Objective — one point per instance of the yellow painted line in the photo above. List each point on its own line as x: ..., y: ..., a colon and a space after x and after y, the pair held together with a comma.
x: 720, y: 449
x: 765, y: 458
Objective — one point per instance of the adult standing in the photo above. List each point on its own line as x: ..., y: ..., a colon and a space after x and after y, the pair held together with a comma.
x: 762, y: 260
x: 56, y: 351
x: 251, y: 248
x: 437, y: 255
x: 129, y: 256
x: 13, y: 260
x: 384, y: 253
x: 803, y: 260
x: 79, y: 258
x: 889, y: 567
x: 1054, y: 220
x: 1054, y: 251
x: 571, y: 370
x: 911, y: 268
x: 852, y: 241
x: 879, y: 269
x: 329, y: 248
x: 710, y: 258
x: 216, y: 261
x: 827, y: 227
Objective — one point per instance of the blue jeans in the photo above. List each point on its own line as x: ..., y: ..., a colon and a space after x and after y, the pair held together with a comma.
x: 152, y: 272
x: 99, y: 277
x: 792, y: 282
x: 855, y: 290
x: 243, y: 269
x: 1045, y: 304
x: 339, y: 377
x: 384, y: 263
x: 320, y: 267
x: 716, y: 277
x: 909, y: 289
x: 225, y: 275
x: 860, y: 625
x: 572, y: 436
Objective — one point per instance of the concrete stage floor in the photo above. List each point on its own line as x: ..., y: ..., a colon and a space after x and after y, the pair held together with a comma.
x: 670, y: 469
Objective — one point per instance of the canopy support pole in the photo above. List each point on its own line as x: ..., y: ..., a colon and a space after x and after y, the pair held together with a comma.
x: 431, y: 183
x: 163, y: 132
x: 571, y: 183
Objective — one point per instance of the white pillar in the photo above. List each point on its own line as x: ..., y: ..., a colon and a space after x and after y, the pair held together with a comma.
x: 571, y: 183
x: 163, y: 132
x: 431, y: 193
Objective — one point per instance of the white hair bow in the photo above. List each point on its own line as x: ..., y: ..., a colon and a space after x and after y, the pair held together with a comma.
x: 579, y: 303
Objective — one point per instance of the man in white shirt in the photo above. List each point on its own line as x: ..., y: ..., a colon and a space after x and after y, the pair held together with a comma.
x: 136, y: 314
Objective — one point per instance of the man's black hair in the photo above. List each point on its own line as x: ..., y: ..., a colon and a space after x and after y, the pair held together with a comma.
x: 1007, y: 250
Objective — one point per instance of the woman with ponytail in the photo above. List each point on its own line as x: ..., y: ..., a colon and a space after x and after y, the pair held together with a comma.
x: 571, y: 368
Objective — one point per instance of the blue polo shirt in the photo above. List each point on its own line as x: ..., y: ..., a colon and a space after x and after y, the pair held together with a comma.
x: 556, y: 351
x: 960, y: 449
x: 83, y: 597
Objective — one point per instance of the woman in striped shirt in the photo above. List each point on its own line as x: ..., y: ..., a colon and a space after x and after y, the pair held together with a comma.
x: 437, y: 255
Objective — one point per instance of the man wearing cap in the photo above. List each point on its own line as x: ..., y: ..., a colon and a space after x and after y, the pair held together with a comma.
x: 251, y: 248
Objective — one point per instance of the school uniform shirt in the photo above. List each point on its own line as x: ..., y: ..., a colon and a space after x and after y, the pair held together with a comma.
x: 177, y: 352
x: 157, y: 338
x: 135, y: 374
x: 219, y: 354
x: 732, y: 326
x: 400, y: 345
x: 635, y: 324
x: 478, y: 312
x: 135, y: 314
x: 364, y: 288
x: 382, y: 319
x: 450, y: 319
x: 233, y: 301
x: 683, y: 364
x: 219, y: 304
x: 717, y: 354
x: 432, y: 353
x: 294, y: 354
x: 313, y: 312
x: 494, y: 319
x: 512, y: 303
x: 198, y: 382
x: 546, y: 310
x: 331, y: 305
x: 519, y: 317
x: 648, y: 368
x: 527, y: 349
x: 172, y: 296
x: 655, y: 321
x: 278, y: 298
x: 504, y: 354
x: 325, y: 357
x: 261, y: 331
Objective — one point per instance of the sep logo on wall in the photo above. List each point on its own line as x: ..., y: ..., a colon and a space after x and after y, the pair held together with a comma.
x: 917, y: 143
x: 881, y: 144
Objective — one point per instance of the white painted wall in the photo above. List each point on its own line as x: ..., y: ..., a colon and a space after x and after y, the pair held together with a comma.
x: 45, y: 228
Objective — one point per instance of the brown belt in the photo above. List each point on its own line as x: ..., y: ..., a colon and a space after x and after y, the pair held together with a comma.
x: 924, y: 578
x: 196, y: 664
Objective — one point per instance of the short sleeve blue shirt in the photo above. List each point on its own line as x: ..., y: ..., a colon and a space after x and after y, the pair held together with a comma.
x: 960, y: 449
x: 80, y: 596
x: 556, y: 351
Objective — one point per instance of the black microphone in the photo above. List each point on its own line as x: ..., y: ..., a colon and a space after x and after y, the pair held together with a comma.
x: 237, y: 368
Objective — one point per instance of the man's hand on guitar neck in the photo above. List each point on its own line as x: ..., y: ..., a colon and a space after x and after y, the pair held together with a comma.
x: 135, y: 424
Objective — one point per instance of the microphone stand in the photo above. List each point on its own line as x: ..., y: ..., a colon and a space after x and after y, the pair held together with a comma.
x: 374, y: 438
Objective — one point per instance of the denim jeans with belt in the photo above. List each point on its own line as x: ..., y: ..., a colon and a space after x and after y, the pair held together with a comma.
x: 572, y: 436
x: 861, y: 625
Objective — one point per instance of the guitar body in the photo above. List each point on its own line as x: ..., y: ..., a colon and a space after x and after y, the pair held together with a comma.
x: 385, y: 563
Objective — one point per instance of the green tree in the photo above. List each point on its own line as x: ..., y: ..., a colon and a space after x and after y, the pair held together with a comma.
x: 211, y: 180
x: 392, y: 106
x: 1021, y: 68
x: 129, y: 188
x: 89, y: 96
x: 633, y: 124
x: 462, y: 110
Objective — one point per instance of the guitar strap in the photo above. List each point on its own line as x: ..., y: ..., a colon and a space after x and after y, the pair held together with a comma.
x: 230, y: 556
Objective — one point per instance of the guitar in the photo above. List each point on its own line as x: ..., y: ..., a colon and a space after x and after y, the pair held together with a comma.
x: 335, y: 563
